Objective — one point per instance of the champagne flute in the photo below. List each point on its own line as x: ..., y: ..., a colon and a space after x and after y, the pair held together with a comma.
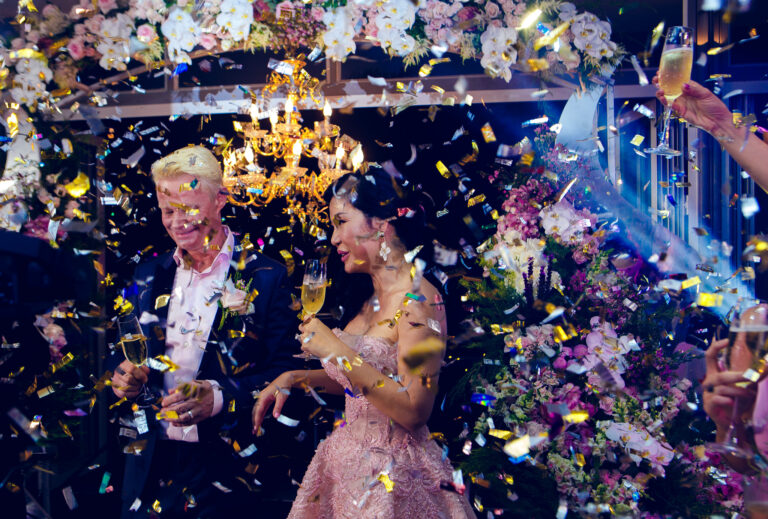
x: 134, y: 345
x: 674, y: 72
x: 312, y: 294
x: 132, y: 341
x: 747, y: 352
x: 313, y: 287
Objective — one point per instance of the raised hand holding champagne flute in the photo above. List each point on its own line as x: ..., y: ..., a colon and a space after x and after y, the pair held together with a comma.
x: 674, y: 72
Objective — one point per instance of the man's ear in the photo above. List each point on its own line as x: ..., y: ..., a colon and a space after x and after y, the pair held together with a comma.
x: 221, y: 198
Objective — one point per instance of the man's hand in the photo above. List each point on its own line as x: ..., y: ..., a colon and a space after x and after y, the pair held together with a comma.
x: 128, y: 379
x: 192, y: 401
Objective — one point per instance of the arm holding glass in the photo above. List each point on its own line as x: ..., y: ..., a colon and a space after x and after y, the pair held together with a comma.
x: 722, y: 396
x: 703, y: 109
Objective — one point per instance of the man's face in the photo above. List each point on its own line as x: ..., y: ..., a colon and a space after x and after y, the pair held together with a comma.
x: 190, y: 215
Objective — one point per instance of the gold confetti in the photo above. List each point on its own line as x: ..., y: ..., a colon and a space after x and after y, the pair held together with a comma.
x: 552, y: 36
x: 576, y: 416
x: 445, y: 172
x: 537, y: 64
x: 487, y: 132
x: 388, y: 483
x: 425, y: 70
x: 123, y: 306
x: 423, y: 351
x: 500, y: 433
x: 13, y: 124
x: 690, y: 282
x: 290, y: 264
x: 709, y: 300
x: 162, y: 300
x: 79, y: 186
x: 637, y: 140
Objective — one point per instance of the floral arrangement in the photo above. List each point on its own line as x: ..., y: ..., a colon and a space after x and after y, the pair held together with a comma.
x: 581, y: 400
x: 536, y: 36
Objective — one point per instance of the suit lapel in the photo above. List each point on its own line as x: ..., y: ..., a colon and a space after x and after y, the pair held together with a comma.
x: 162, y: 286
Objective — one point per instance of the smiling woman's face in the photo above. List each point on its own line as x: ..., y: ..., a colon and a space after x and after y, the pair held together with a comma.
x: 354, y: 236
x: 189, y: 215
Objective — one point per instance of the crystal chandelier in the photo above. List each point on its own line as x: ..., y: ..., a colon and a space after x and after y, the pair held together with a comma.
x: 288, y: 141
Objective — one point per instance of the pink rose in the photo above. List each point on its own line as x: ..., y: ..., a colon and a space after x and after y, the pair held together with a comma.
x: 208, y: 41
x: 559, y: 363
x: 317, y: 13
x: 106, y: 6
x: 93, y: 24
x: 233, y: 298
x: 492, y: 10
x: 580, y: 351
x: 80, y: 29
x: 146, y: 33
x: 76, y: 47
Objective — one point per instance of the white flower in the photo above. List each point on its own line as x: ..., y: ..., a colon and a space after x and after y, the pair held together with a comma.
x: 236, y: 17
x: 393, y: 19
x: 498, y: 51
x: 398, y: 41
x: 339, y: 39
x: 398, y: 13
x: 181, y: 32
x: 114, y: 42
x: 30, y: 80
x: 567, y: 11
x: 562, y: 220
x: 152, y: 10
x: 515, y: 253
x: 586, y: 31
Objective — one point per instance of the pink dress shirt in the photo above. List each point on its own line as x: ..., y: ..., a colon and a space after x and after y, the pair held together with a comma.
x: 191, y: 312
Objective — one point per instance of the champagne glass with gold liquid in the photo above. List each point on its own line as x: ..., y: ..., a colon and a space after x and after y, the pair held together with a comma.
x: 134, y: 345
x: 747, y: 353
x: 312, y: 294
x: 674, y: 72
x: 313, y: 287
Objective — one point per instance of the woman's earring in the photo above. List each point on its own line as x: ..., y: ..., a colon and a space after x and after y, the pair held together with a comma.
x: 384, y: 250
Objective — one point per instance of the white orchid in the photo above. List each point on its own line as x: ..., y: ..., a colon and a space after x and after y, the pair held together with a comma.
x: 592, y: 36
x: 561, y: 219
x: 236, y: 17
x: 30, y: 81
x: 398, y: 13
x: 393, y: 19
x: 181, y: 32
x: 152, y: 10
x: 498, y: 51
x: 339, y: 39
x: 114, y: 42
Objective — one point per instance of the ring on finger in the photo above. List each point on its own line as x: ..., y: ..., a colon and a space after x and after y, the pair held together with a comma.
x: 190, y: 414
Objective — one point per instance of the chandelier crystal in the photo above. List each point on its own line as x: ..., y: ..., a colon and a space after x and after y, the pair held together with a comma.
x: 284, y: 138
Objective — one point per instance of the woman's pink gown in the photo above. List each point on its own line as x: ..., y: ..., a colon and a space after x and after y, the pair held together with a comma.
x: 345, y: 478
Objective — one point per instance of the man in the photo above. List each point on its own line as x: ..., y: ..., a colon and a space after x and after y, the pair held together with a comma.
x: 221, y: 315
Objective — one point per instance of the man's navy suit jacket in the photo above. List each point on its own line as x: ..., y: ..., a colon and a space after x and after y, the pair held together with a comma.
x: 243, y: 355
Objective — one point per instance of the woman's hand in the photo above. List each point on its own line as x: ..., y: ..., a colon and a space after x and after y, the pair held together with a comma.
x: 701, y: 108
x: 318, y: 340
x: 276, y: 392
x: 720, y: 391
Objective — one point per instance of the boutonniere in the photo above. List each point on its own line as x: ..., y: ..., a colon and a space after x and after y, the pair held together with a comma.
x: 235, y: 299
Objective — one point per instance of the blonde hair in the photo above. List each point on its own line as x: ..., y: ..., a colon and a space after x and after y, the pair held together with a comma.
x: 197, y: 161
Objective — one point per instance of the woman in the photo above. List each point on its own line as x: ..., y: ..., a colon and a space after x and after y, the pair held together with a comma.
x: 382, y: 463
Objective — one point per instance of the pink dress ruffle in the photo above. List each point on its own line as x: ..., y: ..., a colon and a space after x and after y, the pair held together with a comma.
x: 344, y: 478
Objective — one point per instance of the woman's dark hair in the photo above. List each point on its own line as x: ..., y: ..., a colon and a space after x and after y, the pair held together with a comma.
x: 376, y: 193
